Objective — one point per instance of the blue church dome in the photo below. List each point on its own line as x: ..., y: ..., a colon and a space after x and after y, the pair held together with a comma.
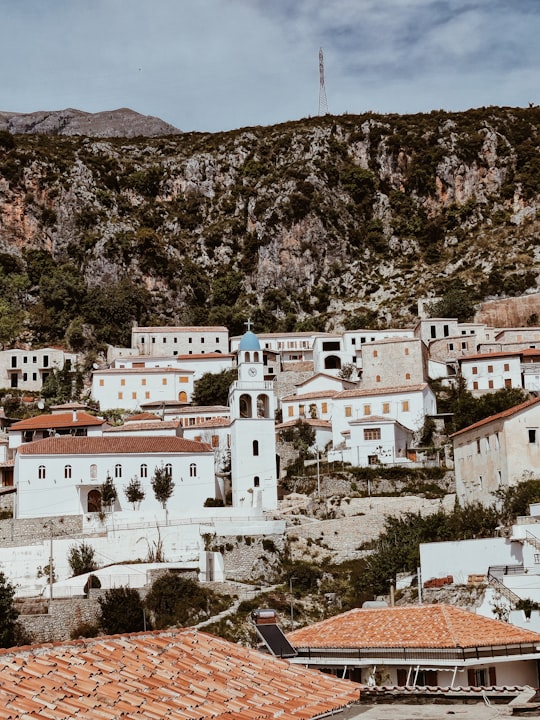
x: 249, y: 341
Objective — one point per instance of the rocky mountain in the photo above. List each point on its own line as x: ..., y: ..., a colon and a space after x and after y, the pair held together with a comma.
x: 324, y: 223
x: 112, y: 123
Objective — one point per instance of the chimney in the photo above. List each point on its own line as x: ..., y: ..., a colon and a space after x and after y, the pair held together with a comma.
x: 74, y: 416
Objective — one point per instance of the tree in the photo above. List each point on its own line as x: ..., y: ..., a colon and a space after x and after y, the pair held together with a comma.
x: 174, y: 600
x: 162, y: 485
x: 302, y: 437
x: 455, y: 303
x: 213, y: 388
x: 122, y: 611
x: 8, y: 613
x: 81, y: 558
x: 134, y: 492
x: 108, y: 493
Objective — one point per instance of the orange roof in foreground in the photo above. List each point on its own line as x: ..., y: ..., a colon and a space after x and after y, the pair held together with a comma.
x: 418, y: 626
x: 58, y: 420
x: 111, y: 445
x: 181, y: 674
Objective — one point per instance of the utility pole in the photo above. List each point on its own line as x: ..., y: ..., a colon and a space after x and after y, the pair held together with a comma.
x: 51, y: 565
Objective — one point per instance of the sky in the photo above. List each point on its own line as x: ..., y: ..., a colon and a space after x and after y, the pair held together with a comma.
x: 213, y: 65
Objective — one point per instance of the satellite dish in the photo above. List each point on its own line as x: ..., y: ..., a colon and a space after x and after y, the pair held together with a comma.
x: 95, y: 366
x: 41, y: 405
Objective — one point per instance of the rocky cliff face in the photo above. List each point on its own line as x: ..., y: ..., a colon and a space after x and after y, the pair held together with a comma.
x: 317, y: 224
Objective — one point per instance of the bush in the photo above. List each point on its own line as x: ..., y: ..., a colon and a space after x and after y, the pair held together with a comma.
x: 122, y: 611
x: 81, y: 559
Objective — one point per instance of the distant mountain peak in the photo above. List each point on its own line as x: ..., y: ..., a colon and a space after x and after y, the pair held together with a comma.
x: 122, y: 122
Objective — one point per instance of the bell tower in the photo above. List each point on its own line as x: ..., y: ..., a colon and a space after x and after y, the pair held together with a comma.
x: 253, y: 438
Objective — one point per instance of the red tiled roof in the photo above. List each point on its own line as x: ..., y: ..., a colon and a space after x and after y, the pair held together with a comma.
x: 363, y: 392
x: 144, y: 370
x: 57, y: 420
x: 111, y: 446
x: 184, y: 674
x: 313, y: 422
x: 499, y: 416
x: 213, y: 422
x: 311, y: 396
x: 489, y: 355
x: 145, y: 425
x: 142, y: 416
x: 180, y: 328
x: 418, y: 626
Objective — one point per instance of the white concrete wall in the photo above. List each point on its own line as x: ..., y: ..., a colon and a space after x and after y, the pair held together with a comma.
x: 490, y: 374
x: 129, y: 388
x: 467, y: 557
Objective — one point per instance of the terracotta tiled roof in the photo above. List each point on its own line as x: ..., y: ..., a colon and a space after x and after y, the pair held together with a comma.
x: 313, y: 422
x: 144, y: 370
x: 499, y: 416
x: 212, y: 423
x: 183, y: 674
x: 201, y: 409
x: 57, y: 420
x: 419, y: 626
x: 311, y: 396
x: 111, y: 446
x: 489, y: 355
x: 178, y: 328
x: 364, y: 392
x: 143, y: 426
x: 142, y: 416
x: 327, y: 376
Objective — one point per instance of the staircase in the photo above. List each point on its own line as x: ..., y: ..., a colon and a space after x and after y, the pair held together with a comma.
x: 499, y: 586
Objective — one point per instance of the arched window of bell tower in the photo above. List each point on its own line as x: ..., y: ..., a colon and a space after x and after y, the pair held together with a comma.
x: 263, y: 406
x: 245, y: 406
x: 247, y: 356
x: 255, y: 357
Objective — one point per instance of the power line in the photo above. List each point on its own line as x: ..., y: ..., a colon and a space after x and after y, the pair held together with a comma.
x: 323, y: 104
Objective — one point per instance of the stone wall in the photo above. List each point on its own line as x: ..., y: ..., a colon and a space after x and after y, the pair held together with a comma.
x: 30, y: 530
x: 250, y: 558
x: 61, y: 618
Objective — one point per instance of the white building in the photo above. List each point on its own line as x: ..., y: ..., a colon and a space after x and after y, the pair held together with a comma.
x: 29, y: 369
x: 253, y: 442
x: 198, y: 365
x: 168, y: 341
x: 497, y: 452
x: 378, y: 440
x: 63, y: 475
x: 128, y: 388
x: 487, y: 372
x: 56, y: 424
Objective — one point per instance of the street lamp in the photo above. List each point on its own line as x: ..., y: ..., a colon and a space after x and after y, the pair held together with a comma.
x: 292, y: 600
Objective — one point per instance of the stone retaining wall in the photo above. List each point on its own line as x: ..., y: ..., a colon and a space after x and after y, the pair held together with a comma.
x: 29, y: 530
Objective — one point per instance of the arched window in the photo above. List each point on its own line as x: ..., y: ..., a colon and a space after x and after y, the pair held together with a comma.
x: 93, y: 471
x: 182, y: 396
x: 256, y: 357
x: 117, y: 470
x: 245, y: 406
x: 67, y: 472
x: 41, y: 472
x: 168, y: 470
x: 193, y: 470
x: 144, y: 470
x: 256, y: 481
x: 255, y: 447
x: 93, y: 503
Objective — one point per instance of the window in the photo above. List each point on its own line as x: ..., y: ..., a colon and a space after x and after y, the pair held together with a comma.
x: 117, y: 470
x: 301, y: 410
x: 34, y: 376
x: 193, y: 470
x: 507, y: 382
x: 375, y: 353
x: 532, y: 435
x: 45, y: 361
x: 168, y: 470
x: 407, y: 376
x: 184, y: 379
x: 67, y: 472
x: 290, y: 411
x: 25, y: 359
x: 377, y: 378
x: 386, y: 408
x: 372, y: 433
x: 25, y: 377
x: 256, y: 481
x: 404, y: 406
x: 490, y: 368
x: 163, y: 381
x: 153, y: 340
x: 215, y: 441
x: 324, y: 408
x: 93, y: 471
x: 255, y: 447
x: 446, y: 332
x: 464, y: 345
x: 490, y: 384
x: 478, y: 446
x: 406, y: 351
x: 450, y: 346
x: 101, y: 382
x: 506, y: 367
x: 34, y: 358
x: 120, y: 395
x: 143, y: 381
x: 133, y: 395
x: 41, y: 472
x: 475, y: 385
x: 433, y: 331
x: 13, y: 361
x: 348, y: 411
x: 475, y: 370
x: 373, y: 459
x: 144, y: 470
x: 164, y: 340
x: 367, y: 409
x: 147, y: 395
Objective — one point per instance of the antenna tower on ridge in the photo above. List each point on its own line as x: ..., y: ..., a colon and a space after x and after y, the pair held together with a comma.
x: 323, y: 104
